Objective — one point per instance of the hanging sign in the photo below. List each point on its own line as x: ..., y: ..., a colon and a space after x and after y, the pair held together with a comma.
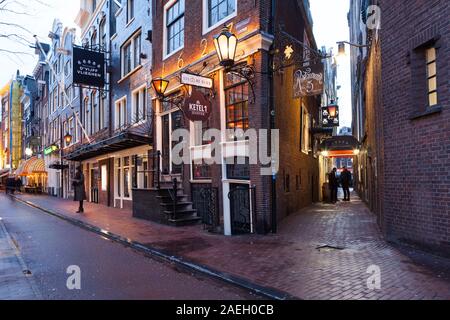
x: 197, y: 107
x: 88, y: 67
x: 196, y: 81
x: 309, y: 80
x: 330, y: 116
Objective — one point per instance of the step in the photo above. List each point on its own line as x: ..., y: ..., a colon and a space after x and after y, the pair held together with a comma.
x: 167, y: 199
x: 185, y: 221
x: 181, y: 212
x: 179, y: 203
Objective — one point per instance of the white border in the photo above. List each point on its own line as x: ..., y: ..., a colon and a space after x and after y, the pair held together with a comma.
x: 205, y: 15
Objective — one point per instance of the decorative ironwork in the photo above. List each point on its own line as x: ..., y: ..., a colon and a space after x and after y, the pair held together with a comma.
x: 242, y: 207
x: 205, y: 201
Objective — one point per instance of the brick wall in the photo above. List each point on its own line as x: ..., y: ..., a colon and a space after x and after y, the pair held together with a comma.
x: 416, y: 189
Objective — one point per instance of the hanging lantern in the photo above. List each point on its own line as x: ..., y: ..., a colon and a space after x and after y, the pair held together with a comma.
x: 160, y: 85
x: 226, y: 45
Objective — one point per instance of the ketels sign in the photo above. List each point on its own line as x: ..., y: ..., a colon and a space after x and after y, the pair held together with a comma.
x: 88, y: 68
x: 197, y: 107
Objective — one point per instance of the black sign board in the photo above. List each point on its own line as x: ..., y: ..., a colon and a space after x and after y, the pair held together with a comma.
x: 309, y: 80
x: 197, y: 107
x: 330, y: 116
x: 88, y: 67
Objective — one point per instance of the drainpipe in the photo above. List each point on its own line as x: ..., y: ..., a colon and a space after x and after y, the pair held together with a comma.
x: 272, y: 113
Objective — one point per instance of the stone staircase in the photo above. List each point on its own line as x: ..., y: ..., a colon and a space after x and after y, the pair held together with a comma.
x: 176, y: 208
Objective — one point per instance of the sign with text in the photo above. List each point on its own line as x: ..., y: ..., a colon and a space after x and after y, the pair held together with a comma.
x: 309, y: 80
x: 196, y: 81
x: 197, y: 107
x: 88, y: 67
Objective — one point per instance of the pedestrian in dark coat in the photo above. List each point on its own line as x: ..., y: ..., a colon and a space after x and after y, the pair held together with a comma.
x: 346, y: 179
x: 334, y: 184
x: 78, y: 185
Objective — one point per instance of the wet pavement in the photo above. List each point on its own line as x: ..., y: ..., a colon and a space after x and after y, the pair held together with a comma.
x: 109, y: 270
x: 324, y: 252
x: 15, y: 282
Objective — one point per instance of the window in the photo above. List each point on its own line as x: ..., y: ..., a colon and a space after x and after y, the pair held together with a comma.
x: 102, y: 31
x: 139, y: 104
x: 94, y: 40
x: 94, y: 112
x: 101, y: 116
x: 120, y: 115
x: 87, y: 118
x: 219, y: 11
x: 431, y: 76
x: 305, y: 144
x: 130, y: 10
x: 236, y: 93
x: 238, y: 168
x: 175, y: 27
x: 67, y: 68
x: 131, y: 54
x: 126, y: 58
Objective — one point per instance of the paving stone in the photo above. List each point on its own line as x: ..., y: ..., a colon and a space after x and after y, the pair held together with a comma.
x: 276, y: 261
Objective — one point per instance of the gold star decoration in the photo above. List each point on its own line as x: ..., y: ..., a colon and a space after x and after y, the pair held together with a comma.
x: 288, y: 52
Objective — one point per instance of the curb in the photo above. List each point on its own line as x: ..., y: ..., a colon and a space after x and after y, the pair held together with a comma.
x: 266, y: 292
x: 22, y: 263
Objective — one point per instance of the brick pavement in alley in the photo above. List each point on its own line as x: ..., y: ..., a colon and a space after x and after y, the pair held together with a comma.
x: 289, y: 261
x: 15, y: 285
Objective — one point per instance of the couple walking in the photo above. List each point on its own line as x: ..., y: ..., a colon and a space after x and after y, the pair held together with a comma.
x: 345, y: 180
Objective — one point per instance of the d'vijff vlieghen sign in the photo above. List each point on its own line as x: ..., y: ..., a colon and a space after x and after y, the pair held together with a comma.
x: 88, y: 68
x: 197, y: 107
x: 309, y: 81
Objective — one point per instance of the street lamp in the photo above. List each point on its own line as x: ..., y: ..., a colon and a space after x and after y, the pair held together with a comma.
x: 28, y: 152
x: 226, y: 45
x: 68, y: 139
x: 356, y: 152
x: 160, y: 85
x: 341, y: 47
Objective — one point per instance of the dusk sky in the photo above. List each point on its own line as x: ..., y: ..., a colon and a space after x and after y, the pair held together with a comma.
x: 330, y: 25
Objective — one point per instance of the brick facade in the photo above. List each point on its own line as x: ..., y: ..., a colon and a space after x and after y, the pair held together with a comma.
x: 252, y: 22
x: 416, y: 136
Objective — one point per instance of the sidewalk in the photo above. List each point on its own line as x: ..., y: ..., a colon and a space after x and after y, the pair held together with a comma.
x: 14, y: 284
x: 289, y: 261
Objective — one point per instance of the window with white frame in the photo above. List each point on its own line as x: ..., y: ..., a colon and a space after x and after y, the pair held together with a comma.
x: 87, y: 118
x: 174, y: 17
x: 139, y: 103
x: 305, y: 130
x: 94, y: 111
x: 218, y: 11
x: 131, y: 54
x: 130, y: 10
x: 120, y: 118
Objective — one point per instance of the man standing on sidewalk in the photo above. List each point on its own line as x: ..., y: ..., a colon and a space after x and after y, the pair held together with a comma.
x: 78, y: 184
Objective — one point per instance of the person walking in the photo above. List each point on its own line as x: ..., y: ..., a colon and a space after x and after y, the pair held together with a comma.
x: 346, y: 178
x: 78, y: 184
x: 333, y: 183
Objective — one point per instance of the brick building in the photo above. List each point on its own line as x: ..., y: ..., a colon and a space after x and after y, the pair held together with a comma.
x: 183, y: 37
x: 366, y: 95
x: 415, y: 109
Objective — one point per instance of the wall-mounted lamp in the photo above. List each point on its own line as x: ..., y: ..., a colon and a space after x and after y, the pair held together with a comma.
x: 160, y: 85
x: 226, y: 45
x: 68, y: 139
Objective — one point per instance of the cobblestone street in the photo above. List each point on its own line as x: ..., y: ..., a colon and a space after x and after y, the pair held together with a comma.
x: 290, y: 261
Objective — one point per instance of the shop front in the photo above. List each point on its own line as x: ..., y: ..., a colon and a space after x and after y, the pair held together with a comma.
x: 34, y: 175
x: 113, y: 167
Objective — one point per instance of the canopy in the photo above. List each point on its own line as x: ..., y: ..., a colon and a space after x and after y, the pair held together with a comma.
x: 340, y: 147
x: 33, y: 165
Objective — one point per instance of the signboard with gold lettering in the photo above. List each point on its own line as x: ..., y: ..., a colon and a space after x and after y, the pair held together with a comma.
x: 309, y: 80
x: 197, y: 107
